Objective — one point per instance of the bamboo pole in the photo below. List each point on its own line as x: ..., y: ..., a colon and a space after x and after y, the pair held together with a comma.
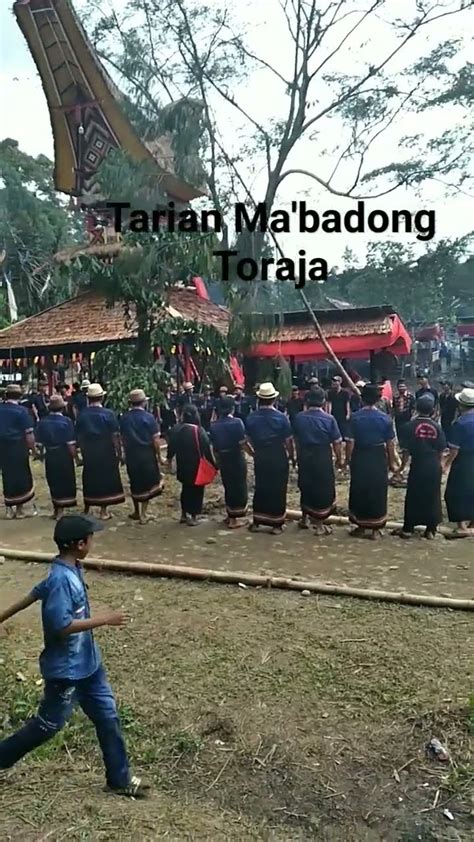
x: 172, y: 571
x: 332, y: 356
x: 339, y: 520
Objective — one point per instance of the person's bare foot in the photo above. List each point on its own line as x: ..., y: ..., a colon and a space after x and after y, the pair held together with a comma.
x: 10, y: 513
x: 358, y: 532
x: 193, y: 521
x: 134, y: 516
x: 237, y: 524
x: 303, y: 524
x: 254, y: 527
x: 276, y: 530
x: 322, y: 529
x: 183, y: 519
x: 375, y: 534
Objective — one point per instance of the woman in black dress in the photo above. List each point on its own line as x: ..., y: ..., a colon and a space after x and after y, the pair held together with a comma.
x: 188, y: 442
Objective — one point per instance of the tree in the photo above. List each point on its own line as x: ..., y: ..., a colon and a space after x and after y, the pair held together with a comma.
x: 34, y: 224
x: 426, y: 288
x: 169, y: 54
x: 139, y: 277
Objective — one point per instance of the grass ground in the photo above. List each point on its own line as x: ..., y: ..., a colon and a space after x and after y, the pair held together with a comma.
x: 255, y: 715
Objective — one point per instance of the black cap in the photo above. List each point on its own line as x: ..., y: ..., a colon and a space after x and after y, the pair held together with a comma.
x: 425, y: 404
x: 73, y: 528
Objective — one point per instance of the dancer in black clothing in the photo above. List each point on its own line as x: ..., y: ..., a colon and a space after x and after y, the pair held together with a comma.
x: 423, y: 440
x: 188, y: 442
x: 448, y: 407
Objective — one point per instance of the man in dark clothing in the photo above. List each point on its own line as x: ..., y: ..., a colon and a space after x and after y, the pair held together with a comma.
x: 241, y: 404
x: 316, y: 436
x: 423, y: 440
x: 79, y: 398
x: 141, y: 441
x: 40, y: 400
x: 448, y: 407
x: 16, y: 440
x: 403, y: 406
x: 338, y: 404
x: 294, y: 405
x: 187, y: 397
x: 424, y: 388
x: 166, y: 413
x: 206, y: 406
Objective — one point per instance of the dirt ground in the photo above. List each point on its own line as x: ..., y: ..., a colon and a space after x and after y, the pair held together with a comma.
x: 254, y: 714
x: 438, y: 567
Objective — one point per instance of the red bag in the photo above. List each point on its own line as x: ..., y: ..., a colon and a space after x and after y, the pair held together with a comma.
x: 206, y: 471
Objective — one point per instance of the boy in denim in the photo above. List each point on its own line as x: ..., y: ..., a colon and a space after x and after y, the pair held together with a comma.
x: 70, y: 662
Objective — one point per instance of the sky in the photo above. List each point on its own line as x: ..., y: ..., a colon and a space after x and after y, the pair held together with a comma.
x: 24, y: 116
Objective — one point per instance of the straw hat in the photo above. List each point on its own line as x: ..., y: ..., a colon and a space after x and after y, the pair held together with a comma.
x: 85, y: 384
x: 188, y: 386
x: 95, y: 390
x: 138, y: 396
x: 268, y: 391
x: 14, y: 390
x: 56, y: 403
x: 466, y: 397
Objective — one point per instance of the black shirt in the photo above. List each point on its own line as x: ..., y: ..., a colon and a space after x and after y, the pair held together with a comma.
x: 339, y: 401
x: 427, y: 390
x: 448, y: 407
x: 422, y: 437
x: 294, y: 406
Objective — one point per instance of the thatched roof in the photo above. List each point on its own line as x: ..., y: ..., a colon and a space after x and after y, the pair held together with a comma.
x: 87, y: 320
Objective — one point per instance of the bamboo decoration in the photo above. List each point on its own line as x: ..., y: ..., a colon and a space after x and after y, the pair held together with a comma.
x: 250, y: 579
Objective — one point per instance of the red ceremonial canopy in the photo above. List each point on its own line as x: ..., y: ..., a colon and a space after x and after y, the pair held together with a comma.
x: 466, y: 329
x: 353, y: 339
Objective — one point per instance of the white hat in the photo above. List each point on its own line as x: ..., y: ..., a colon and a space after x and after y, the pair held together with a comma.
x: 188, y: 386
x: 95, y: 390
x: 466, y: 397
x: 268, y: 391
x: 360, y: 383
x: 85, y: 384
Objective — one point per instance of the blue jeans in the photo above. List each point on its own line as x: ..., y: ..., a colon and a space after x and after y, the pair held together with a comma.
x: 95, y: 697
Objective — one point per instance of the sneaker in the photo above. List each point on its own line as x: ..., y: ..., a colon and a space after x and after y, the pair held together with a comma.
x: 136, y: 789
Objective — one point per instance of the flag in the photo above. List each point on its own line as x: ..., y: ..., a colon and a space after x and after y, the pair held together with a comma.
x: 201, y: 289
x: 11, y: 299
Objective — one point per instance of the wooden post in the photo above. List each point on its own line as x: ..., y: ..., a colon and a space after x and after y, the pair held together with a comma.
x: 373, y: 375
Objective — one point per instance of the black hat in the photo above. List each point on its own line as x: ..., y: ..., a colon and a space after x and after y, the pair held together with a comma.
x: 73, y: 528
x: 225, y: 405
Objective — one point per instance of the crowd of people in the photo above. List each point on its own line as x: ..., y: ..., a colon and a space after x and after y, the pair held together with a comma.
x: 368, y: 432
